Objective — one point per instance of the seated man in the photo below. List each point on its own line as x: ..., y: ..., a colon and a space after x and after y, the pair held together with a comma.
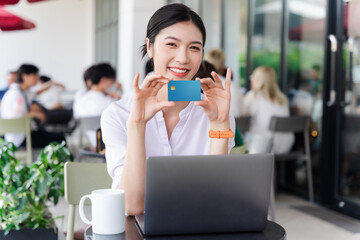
x: 94, y: 101
x: 17, y: 103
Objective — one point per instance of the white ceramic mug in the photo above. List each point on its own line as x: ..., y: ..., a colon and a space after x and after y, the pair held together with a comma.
x: 108, y: 211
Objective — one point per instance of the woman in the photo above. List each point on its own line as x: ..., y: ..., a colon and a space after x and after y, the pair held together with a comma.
x: 264, y: 101
x: 147, y: 125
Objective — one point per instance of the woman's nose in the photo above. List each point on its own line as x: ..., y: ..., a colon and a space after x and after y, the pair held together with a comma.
x: 182, y: 56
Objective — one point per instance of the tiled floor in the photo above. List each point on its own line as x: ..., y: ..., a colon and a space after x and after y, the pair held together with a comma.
x: 303, y: 225
x: 301, y: 220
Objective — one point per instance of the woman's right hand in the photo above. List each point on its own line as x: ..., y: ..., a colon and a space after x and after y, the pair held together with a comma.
x: 145, y: 101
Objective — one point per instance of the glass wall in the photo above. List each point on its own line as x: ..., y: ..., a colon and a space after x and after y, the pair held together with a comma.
x: 266, y: 33
x: 304, y: 51
x: 349, y: 172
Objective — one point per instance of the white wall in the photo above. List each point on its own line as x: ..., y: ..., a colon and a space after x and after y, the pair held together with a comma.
x: 61, y: 45
x: 133, y: 18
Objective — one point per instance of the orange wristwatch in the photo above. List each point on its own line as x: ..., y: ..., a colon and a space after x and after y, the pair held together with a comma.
x: 221, y: 134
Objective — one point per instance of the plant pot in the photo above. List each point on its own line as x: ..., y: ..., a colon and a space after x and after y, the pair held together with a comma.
x: 39, y: 233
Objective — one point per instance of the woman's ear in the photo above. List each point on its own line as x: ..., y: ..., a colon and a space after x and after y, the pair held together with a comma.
x: 149, y: 48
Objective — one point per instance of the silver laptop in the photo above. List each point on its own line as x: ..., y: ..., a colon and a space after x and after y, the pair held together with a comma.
x: 206, y: 194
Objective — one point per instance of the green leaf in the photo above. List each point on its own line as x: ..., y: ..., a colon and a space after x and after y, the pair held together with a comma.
x: 41, y: 188
x: 26, y: 189
x: 31, y: 180
x: 23, y: 216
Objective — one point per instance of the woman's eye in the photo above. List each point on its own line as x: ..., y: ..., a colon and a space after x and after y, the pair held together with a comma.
x: 195, y: 48
x: 171, y: 44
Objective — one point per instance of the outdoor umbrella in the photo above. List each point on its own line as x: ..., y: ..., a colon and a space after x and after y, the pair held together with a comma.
x: 32, y: 1
x: 10, y: 22
x: 8, y: 2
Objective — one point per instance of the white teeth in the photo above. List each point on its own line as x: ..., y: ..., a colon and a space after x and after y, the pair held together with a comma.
x: 177, y: 70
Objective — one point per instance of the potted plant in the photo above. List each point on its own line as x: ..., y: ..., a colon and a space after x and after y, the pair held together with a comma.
x: 25, y: 191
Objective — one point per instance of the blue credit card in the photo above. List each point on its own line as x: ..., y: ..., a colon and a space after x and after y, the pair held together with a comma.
x: 188, y: 90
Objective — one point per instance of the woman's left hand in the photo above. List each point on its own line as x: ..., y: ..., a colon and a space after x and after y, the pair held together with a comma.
x: 217, y: 98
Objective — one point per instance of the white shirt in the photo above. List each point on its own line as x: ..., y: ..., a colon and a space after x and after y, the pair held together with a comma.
x: 78, y: 95
x: 261, y: 110
x: 14, y: 105
x: 189, y: 137
x: 50, y: 97
x: 90, y: 104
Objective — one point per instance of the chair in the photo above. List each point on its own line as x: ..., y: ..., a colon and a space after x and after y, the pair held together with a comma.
x: 243, y: 124
x: 81, y: 179
x: 19, y: 125
x: 295, y: 124
x: 239, y: 149
x: 85, y: 124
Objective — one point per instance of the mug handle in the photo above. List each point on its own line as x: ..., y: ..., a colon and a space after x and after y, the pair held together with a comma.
x: 81, y: 209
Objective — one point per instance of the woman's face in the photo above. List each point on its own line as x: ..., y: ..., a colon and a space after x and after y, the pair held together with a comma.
x: 256, y: 83
x: 177, y: 51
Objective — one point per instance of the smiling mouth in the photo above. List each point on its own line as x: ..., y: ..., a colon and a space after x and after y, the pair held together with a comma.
x: 179, y: 71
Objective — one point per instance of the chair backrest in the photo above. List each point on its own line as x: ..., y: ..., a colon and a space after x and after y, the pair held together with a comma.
x: 87, y: 123
x: 243, y: 123
x: 82, y: 178
x: 19, y: 125
x: 289, y: 124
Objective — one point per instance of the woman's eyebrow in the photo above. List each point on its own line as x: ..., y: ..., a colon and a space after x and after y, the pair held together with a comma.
x: 179, y: 40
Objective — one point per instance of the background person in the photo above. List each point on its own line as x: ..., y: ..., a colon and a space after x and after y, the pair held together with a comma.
x: 88, y: 84
x: 314, y: 80
x: 216, y: 57
x: 148, y: 124
x: 93, y: 102
x: 264, y: 101
x: 17, y: 103
x: 10, y: 79
x: 49, y: 93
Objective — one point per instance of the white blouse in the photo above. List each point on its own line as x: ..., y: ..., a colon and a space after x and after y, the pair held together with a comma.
x: 261, y: 110
x: 189, y: 137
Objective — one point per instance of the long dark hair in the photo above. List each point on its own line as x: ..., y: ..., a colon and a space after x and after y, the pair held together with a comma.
x: 169, y: 15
